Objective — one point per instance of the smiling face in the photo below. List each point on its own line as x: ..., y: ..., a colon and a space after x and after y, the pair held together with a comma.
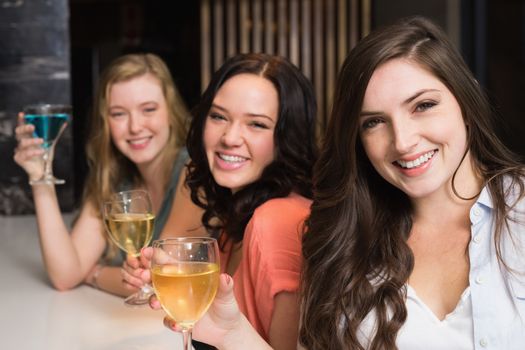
x: 412, y: 129
x: 138, y: 119
x: 239, y: 130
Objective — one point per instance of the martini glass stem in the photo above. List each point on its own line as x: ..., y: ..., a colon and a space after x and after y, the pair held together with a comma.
x: 48, y: 161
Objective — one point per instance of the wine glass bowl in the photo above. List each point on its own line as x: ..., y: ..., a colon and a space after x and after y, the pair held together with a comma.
x: 129, y: 221
x: 185, y: 275
x: 49, y: 121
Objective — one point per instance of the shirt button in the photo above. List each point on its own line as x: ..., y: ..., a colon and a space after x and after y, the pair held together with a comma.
x: 477, y: 212
x: 483, y: 342
x: 476, y: 239
x: 480, y: 280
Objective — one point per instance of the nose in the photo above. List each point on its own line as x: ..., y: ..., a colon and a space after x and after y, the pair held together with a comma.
x: 232, y: 135
x: 405, y: 136
x: 134, y: 123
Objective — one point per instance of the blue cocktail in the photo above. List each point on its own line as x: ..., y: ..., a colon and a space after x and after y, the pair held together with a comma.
x: 49, y: 122
x: 47, y: 127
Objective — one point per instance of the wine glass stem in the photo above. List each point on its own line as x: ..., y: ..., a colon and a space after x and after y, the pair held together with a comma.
x: 146, y: 290
x: 48, y: 161
x: 186, y: 338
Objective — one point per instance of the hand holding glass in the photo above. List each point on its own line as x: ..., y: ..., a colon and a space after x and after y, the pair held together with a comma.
x: 129, y: 220
x: 185, y: 276
x: 49, y: 122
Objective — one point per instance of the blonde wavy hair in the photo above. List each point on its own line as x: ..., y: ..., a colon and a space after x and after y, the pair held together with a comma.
x: 108, y: 167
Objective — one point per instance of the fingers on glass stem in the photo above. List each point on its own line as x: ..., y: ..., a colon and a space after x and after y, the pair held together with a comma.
x: 171, y: 324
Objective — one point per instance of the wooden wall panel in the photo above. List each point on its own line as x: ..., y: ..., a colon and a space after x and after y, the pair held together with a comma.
x: 315, y: 35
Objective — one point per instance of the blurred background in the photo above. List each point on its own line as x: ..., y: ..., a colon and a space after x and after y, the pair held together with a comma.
x: 54, y: 50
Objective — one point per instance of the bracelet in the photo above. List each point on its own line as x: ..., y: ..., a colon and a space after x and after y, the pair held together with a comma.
x: 94, y: 282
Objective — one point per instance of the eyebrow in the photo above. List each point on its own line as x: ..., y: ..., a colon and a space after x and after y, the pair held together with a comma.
x: 140, y: 104
x: 407, y: 101
x: 417, y: 94
x: 253, y: 115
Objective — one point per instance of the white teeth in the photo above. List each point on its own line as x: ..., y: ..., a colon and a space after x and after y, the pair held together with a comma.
x: 139, y: 142
x: 232, y: 159
x: 416, y: 162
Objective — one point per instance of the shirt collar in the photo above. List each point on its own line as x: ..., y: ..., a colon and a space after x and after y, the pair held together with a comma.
x: 485, y: 198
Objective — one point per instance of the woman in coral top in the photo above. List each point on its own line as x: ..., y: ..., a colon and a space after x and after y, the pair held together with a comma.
x: 252, y: 147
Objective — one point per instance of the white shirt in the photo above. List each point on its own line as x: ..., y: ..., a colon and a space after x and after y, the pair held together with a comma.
x: 491, y: 312
x: 423, y: 330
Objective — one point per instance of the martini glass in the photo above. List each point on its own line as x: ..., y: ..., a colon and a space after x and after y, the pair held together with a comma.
x: 49, y: 121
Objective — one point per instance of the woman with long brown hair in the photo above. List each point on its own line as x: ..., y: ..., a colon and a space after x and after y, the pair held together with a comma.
x: 418, y: 207
x: 416, y: 235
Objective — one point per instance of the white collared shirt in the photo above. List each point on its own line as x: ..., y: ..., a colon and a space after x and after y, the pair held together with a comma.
x: 491, y: 312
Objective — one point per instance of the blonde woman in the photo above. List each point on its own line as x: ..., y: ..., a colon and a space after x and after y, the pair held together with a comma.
x: 136, y: 141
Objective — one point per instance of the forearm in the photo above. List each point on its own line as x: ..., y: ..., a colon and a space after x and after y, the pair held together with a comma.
x: 58, y: 251
x: 108, y: 279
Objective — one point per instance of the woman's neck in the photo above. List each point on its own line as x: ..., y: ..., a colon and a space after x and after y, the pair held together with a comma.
x: 440, y: 211
x: 154, y: 181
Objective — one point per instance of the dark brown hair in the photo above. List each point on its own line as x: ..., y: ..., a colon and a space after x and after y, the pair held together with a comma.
x: 357, y: 260
x: 294, y: 138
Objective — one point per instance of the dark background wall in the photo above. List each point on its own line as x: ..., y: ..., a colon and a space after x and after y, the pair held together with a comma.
x: 34, y: 67
x: 505, y: 67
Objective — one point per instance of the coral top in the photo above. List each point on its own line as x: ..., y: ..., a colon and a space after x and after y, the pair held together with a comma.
x: 271, y: 258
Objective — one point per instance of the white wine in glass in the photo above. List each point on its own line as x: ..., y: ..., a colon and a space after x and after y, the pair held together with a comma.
x: 129, y: 221
x: 185, y: 275
x: 130, y: 231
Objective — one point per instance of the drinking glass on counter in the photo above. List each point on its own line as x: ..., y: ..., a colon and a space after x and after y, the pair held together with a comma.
x: 185, y: 276
x: 129, y: 221
x: 49, y: 121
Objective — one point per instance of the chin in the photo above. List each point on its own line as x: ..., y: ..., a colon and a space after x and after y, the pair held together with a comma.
x: 227, y: 184
x: 419, y: 194
x: 234, y: 186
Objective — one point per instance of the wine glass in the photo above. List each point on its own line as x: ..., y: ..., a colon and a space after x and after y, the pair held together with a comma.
x: 185, y: 276
x: 129, y: 220
x: 49, y: 121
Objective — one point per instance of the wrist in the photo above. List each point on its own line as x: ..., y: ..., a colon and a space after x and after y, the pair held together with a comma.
x: 95, y: 276
x: 244, y: 336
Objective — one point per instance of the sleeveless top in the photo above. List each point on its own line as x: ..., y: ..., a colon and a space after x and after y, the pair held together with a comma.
x: 162, y: 216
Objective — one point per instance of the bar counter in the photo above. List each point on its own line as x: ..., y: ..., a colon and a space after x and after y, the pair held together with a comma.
x: 33, y: 315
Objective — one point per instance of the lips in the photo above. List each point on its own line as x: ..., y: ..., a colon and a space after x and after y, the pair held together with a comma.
x: 140, y: 143
x: 229, y: 162
x: 415, y: 163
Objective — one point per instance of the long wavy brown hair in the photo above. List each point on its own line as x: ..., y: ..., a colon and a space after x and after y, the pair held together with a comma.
x: 357, y: 260
x: 108, y: 167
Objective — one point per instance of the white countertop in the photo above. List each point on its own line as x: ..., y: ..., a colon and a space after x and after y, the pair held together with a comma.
x: 33, y: 315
